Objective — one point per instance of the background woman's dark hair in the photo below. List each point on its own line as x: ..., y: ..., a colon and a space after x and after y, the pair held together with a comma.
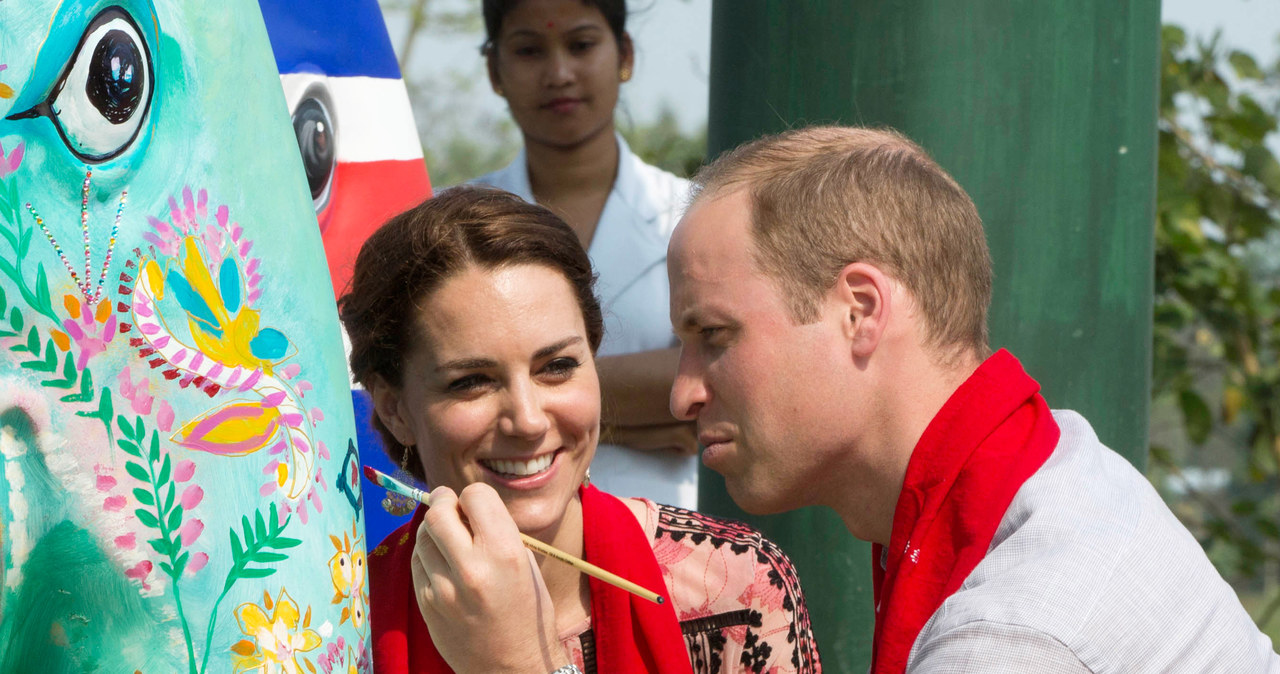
x: 415, y: 252
x: 614, y: 11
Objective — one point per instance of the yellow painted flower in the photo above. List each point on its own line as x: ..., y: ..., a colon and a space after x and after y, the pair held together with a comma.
x: 274, y: 642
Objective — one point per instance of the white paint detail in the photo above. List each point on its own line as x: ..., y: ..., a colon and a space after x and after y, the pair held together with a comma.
x: 372, y: 120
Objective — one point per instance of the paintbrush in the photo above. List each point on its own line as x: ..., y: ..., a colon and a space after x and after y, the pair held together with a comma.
x: 391, y: 484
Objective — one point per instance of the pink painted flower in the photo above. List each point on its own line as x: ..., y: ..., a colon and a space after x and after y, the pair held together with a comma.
x: 138, y: 394
x: 91, y: 329
x: 165, y: 417
x: 197, y: 562
x: 192, y: 497
x: 184, y: 470
x: 106, y: 483
x: 126, y: 542
x: 191, y: 531
x: 113, y: 503
x: 10, y: 164
x: 139, y: 572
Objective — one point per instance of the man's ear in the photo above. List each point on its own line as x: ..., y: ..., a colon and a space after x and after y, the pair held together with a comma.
x: 865, y: 293
x: 388, y: 407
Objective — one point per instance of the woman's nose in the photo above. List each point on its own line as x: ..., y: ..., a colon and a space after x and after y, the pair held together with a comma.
x: 559, y: 68
x: 524, y: 416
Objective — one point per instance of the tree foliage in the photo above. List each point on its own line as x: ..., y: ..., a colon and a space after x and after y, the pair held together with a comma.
x: 1217, y: 300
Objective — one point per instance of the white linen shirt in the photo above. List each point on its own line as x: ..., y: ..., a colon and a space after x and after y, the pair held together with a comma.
x: 1089, y: 571
x: 629, y: 253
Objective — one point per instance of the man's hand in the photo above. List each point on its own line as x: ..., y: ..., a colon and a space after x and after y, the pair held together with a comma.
x: 479, y: 590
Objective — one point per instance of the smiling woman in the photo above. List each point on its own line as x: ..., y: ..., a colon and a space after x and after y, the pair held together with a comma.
x: 474, y: 325
x: 560, y: 64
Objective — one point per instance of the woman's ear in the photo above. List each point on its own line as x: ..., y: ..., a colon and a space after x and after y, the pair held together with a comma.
x: 626, y: 56
x: 491, y: 66
x: 388, y: 407
x: 865, y: 295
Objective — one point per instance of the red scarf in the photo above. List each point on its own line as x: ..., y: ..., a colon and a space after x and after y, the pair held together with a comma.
x: 631, y: 634
x: 991, y: 436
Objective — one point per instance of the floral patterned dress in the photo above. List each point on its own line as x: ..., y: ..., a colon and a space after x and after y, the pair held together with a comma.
x: 735, y: 594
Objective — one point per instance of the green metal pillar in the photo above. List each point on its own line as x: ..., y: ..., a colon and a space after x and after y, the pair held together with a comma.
x: 1045, y: 112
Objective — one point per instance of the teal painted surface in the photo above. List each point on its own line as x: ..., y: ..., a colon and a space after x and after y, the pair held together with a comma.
x: 1045, y: 112
x: 170, y: 449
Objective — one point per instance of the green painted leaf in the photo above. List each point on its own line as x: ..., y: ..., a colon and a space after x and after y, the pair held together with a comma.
x: 86, y: 389
x: 248, y: 531
x: 282, y: 542
x: 155, y: 442
x: 50, y: 362
x: 69, y: 373
x: 137, y: 472
x: 168, y: 498
x: 125, y: 428
x: 259, y: 525
x: 24, y: 243
x: 129, y: 448
x: 268, y: 557
x: 144, y: 497
x: 256, y: 573
x: 141, y: 431
x: 175, y: 518
x: 236, y: 550
x: 159, y: 546
x: 164, y: 470
x: 168, y: 570
x: 147, y: 518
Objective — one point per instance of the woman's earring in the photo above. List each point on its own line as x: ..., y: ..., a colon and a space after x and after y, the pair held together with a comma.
x: 497, y: 89
x: 625, y: 74
x: 586, y: 478
x: 400, y: 505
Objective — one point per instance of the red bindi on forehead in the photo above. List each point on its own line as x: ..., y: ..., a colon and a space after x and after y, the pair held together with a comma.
x: 551, y: 24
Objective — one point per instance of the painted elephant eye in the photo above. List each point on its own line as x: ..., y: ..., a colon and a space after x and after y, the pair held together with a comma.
x: 313, y: 126
x: 102, y: 97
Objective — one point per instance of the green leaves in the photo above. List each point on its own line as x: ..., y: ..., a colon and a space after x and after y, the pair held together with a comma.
x: 260, y: 539
x: 1216, y: 332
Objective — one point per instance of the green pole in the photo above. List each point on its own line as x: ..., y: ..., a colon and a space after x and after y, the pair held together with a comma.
x: 1046, y: 113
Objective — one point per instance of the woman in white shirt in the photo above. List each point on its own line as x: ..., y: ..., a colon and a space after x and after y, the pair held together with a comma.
x: 560, y: 64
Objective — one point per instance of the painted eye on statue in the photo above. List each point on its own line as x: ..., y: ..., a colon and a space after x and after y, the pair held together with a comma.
x: 317, y: 139
x: 102, y: 98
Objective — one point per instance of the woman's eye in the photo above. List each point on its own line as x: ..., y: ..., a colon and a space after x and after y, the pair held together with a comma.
x: 527, y: 51
x: 581, y: 45
x: 104, y: 94
x: 468, y: 383
x: 562, y: 368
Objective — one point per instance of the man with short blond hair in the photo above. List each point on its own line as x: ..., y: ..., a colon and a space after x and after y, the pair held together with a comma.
x: 830, y: 288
